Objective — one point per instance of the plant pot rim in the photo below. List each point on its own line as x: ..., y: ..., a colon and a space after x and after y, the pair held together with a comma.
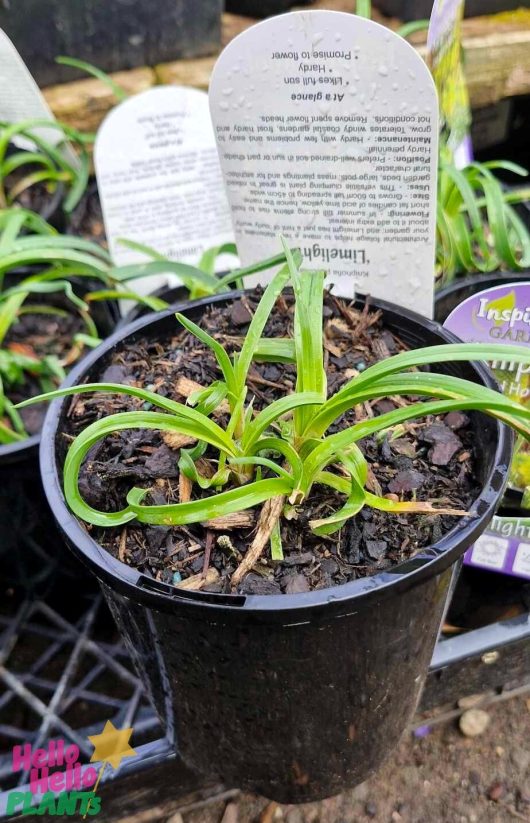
x: 179, y: 293
x: 54, y: 204
x: 484, y: 279
x: 126, y: 580
x: 13, y: 453
x: 142, y: 312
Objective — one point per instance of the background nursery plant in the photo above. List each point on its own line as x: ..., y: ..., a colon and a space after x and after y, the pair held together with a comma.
x: 478, y: 228
x: 43, y: 162
x: 277, y: 457
x: 58, y: 279
x: 38, y: 272
x: 45, y: 273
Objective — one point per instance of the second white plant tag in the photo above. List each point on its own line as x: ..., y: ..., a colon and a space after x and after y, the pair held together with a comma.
x: 159, y: 177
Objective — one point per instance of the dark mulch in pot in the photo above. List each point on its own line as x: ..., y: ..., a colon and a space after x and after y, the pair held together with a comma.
x: 429, y: 459
x: 39, y: 335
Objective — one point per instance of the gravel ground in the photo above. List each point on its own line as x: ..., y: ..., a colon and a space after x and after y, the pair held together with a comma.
x: 443, y: 777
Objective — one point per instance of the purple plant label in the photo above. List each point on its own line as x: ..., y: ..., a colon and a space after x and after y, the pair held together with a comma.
x: 501, y: 314
x: 327, y: 129
x: 504, y: 547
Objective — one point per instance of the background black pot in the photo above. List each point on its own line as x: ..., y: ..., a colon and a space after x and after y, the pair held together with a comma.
x: 293, y: 696
x: 419, y: 9
x: 32, y: 556
x: 51, y: 206
x: 86, y: 220
x: 53, y: 211
x: 105, y: 313
x: 259, y: 8
x: 113, y: 35
x: 449, y: 297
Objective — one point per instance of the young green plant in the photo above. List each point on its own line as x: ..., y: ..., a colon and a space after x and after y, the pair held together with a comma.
x: 49, y: 159
x: 27, y: 240
x: 275, y: 458
x: 36, y: 265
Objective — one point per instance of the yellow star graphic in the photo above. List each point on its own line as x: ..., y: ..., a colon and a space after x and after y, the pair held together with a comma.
x: 112, y: 745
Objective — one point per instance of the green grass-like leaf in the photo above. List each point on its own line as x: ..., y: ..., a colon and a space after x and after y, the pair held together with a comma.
x: 82, y: 65
x: 48, y: 162
x: 477, y: 227
x: 308, y: 323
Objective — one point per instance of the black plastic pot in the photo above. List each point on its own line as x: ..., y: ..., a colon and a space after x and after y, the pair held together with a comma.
x: 113, y: 35
x: 31, y: 552
x: 29, y: 540
x: 259, y: 8
x: 296, y: 697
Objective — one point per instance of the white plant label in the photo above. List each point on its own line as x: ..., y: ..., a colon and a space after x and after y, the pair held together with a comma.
x: 159, y: 177
x: 327, y: 129
x: 20, y: 97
